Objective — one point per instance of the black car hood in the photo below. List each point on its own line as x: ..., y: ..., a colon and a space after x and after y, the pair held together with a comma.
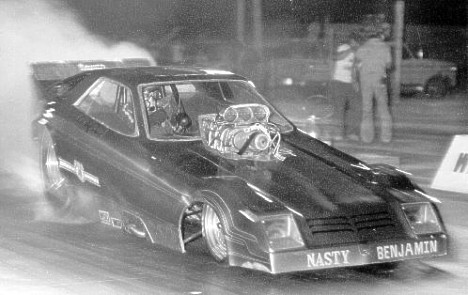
x: 313, y: 179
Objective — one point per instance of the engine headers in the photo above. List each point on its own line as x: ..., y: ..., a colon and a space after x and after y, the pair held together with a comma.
x: 241, y: 132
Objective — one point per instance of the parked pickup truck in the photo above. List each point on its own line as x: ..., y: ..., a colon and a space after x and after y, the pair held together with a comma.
x: 430, y: 76
x: 433, y: 77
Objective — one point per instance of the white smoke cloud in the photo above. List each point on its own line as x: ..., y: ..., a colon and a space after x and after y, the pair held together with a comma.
x: 31, y: 31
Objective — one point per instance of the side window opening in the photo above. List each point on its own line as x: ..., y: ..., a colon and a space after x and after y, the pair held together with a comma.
x: 124, y: 107
x: 111, y: 104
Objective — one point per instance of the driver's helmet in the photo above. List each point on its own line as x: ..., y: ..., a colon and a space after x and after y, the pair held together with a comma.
x: 151, y: 96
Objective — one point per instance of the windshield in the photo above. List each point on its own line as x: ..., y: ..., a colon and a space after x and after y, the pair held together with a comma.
x: 172, y: 109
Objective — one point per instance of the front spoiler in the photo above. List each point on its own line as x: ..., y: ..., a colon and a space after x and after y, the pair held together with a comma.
x: 360, y: 254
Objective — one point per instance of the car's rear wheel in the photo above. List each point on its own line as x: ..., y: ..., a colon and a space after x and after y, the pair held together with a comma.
x: 214, y: 234
x: 54, y: 183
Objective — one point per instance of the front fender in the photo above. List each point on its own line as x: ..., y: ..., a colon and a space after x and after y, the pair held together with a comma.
x: 244, y: 236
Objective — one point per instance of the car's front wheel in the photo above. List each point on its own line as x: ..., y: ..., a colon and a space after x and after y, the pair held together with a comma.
x: 214, y: 233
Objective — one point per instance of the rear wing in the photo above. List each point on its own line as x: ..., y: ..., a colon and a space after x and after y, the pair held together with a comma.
x: 47, y: 73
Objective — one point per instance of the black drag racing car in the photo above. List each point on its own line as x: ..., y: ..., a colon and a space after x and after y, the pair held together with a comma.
x: 172, y: 154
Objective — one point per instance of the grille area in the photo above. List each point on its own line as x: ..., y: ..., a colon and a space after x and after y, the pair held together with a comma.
x: 354, y: 223
x: 353, y: 228
x: 372, y: 221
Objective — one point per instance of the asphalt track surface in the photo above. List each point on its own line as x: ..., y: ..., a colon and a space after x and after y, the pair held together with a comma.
x: 45, y: 254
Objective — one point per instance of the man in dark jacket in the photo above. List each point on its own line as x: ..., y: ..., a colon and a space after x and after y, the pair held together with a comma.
x: 374, y: 59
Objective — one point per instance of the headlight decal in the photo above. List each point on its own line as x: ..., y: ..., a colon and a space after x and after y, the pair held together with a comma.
x: 422, y: 218
x: 282, y: 233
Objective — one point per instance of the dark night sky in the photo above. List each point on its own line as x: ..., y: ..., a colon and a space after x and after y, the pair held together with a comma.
x: 159, y: 17
x: 444, y: 12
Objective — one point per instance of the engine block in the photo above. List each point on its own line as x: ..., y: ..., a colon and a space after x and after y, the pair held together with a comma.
x: 241, y: 132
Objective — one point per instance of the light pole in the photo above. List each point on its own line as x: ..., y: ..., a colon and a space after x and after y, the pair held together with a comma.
x: 398, y: 25
x: 258, y: 26
x: 241, y: 21
x: 257, y: 21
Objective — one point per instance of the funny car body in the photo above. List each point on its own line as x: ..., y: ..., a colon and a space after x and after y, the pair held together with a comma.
x: 173, y: 155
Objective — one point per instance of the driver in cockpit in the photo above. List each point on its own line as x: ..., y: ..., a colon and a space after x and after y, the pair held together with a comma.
x: 160, y: 109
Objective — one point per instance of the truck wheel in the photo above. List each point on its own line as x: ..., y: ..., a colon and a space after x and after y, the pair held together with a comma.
x: 214, y: 234
x: 437, y: 87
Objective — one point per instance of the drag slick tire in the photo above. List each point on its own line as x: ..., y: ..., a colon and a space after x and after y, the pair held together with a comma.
x: 214, y: 233
x: 55, y: 186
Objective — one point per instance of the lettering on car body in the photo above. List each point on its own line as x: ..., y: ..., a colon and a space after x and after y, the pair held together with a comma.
x: 78, y: 169
x: 104, y: 217
x: 322, y: 259
x: 406, y: 249
x: 85, y: 67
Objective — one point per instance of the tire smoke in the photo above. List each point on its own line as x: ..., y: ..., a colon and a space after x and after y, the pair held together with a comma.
x: 32, y: 31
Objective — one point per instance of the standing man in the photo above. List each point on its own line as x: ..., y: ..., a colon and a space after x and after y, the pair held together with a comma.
x: 374, y: 59
x: 343, y: 91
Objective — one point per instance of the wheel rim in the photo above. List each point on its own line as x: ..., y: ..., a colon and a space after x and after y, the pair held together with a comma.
x: 213, y: 232
x: 53, y: 178
x: 56, y: 191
